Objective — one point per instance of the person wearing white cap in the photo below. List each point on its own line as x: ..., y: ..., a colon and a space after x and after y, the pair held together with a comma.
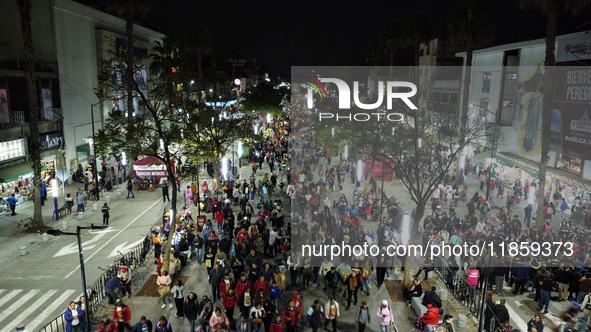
x: 386, y: 316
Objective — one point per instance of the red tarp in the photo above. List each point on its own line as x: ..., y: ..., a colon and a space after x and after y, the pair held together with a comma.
x: 380, y: 169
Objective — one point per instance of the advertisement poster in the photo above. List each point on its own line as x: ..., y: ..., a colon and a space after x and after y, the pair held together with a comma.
x: 4, y: 115
x: 47, y: 111
x: 572, y: 103
x: 529, y: 115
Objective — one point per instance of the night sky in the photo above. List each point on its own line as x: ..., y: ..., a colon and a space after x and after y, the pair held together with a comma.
x: 280, y: 34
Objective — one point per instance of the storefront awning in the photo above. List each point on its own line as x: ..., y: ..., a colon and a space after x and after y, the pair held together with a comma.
x: 13, y: 173
x: 527, y: 166
x: 480, y: 157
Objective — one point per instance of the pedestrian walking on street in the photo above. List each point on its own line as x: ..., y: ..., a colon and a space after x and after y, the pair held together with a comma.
x: 80, y: 196
x: 130, y: 189
x: 122, y: 316
x: 163, y: 325
x: 362, y: 317
x: 165, y: 190
x: 191, y: 309
x: 105, y: 210
x: 11, y: 200
x: 179, y: 298
x: 164, y: 281
x: 143, y: 325
x: 331, y: 314
x: 69, y: 203
x: 314, y: 316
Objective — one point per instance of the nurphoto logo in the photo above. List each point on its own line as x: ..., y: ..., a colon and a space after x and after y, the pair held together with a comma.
x: 344, y: 99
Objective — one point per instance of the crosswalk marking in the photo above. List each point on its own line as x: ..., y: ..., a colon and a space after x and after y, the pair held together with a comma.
x: 9, y: 296
x: 59, y: 302
x: 29, y: 311
x: 15, y: 305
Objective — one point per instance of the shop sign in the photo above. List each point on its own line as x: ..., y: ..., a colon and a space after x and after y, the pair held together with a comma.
x: 51, y: 141
x: 12, y: 149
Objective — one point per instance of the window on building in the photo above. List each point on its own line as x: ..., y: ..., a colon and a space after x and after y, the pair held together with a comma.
x: 483, y: 106
x: 427, y: 52
x: 445, y: 98
x: 421, y: 52
x: 436, y: 97
x: 486, y: 78
x: 453, y: 98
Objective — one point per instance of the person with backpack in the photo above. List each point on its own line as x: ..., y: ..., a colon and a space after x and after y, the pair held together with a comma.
x: 105, y: 210
x: 386, y: 316
x: 314, y: 316
x: 362, y: 317
x: 163, y: 325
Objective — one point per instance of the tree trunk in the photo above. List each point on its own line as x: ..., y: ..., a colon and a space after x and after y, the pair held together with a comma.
x: 414, y: 232
x: 24, y: 7
x: 173, y: 208
x: 549, y: 62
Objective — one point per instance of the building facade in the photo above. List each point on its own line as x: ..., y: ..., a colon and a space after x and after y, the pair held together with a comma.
x: 69, y: 40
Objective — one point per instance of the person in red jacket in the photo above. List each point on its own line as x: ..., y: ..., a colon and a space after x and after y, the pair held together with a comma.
x: 297, y: 302
x: 431, y: 317
x: 122, y: 315
x: 226, y: 284
x: 290, y: 316
x: 262, y: 284
x: 229, y: 301
x: 277, y: 325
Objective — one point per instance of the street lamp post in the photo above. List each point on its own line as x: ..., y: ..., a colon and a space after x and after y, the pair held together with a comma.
x: 492, y: 147
x: 82, y: 271
x: 55, y: 194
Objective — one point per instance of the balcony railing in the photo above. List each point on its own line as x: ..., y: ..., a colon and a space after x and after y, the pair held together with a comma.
x: 13, y: 117
x: 51, y: 114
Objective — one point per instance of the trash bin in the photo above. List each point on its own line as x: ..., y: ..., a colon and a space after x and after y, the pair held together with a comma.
x: 80, y: 215
x: 461, y: 321
x: 94, y: 206
x: 45, y: 237
x: 107, y: 199
x: 443, y: 294
x: 65, y: 223
x: 23, y: 250
x: 118, y: 192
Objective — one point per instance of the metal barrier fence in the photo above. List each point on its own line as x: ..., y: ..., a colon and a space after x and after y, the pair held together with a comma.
x: 96, y: 293
x: 467, y: 295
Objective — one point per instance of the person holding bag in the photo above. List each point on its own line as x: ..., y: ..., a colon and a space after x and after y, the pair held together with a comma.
x: 164, y: 281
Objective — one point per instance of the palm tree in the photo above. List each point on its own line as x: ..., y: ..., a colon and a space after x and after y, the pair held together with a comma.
x: 164, y: 58
x: 470, y: 24
x: 24, y: 7
x: 129, y: 9
x: 199, y: 44
x: 550, y: 8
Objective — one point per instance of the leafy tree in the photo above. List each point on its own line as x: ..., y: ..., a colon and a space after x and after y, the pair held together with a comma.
x: 32, y: 114
x: 550, y: 8
x: 265, y: 98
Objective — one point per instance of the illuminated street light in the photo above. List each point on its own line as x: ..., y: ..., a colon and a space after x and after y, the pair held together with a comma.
x: 268, y: 117
x: 405, y: 230
x: 346, y: 154
x: 359, y: 170
x: 224, y: 167
x: 420, y: 142
x: 256, y: 129
x: 531, y: 195
x: 332, y: 132
x: 461, y: 164
x: 162, y: 144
